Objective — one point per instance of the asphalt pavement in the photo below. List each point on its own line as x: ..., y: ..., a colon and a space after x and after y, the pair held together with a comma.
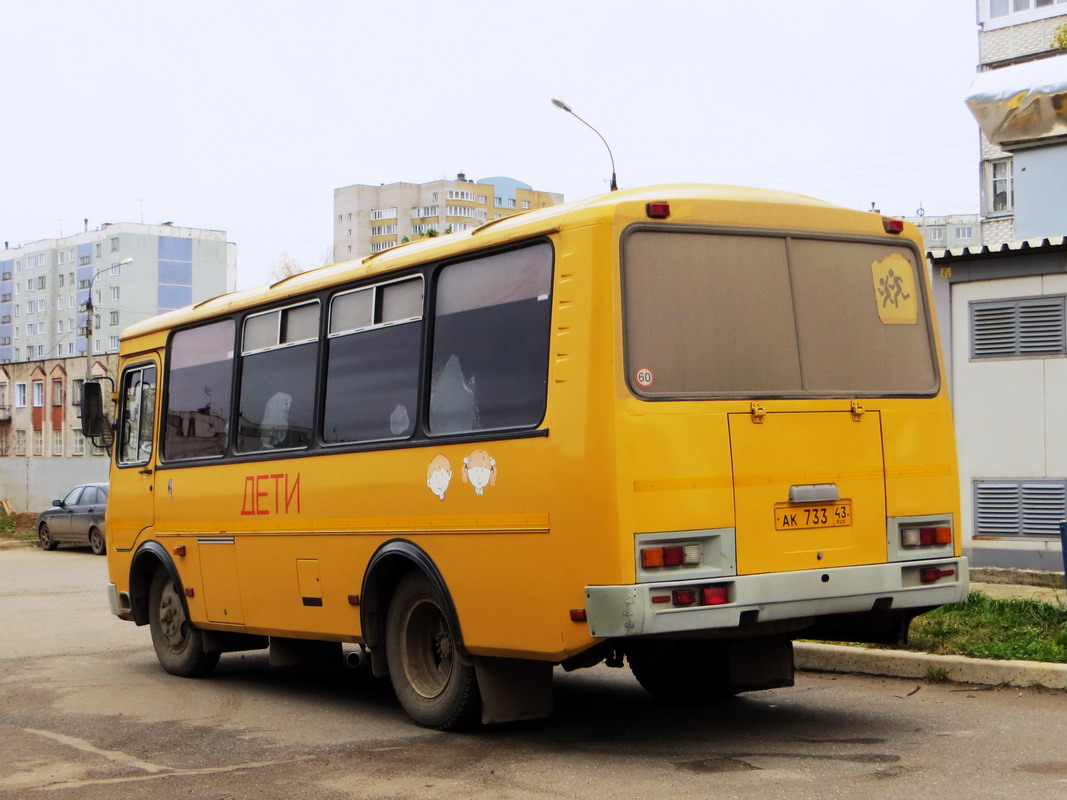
x: 1021, y: 584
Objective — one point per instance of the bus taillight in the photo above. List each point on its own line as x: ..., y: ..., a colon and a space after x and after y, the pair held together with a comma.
x: 671, y: 556
x: 925, y: 536
x: 658, y: 210
x: 716, y: 595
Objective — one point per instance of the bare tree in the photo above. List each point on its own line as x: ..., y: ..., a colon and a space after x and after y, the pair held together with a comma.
x: 285, y: 267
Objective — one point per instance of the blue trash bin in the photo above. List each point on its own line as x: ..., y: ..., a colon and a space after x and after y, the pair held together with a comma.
x: 1063, y: 549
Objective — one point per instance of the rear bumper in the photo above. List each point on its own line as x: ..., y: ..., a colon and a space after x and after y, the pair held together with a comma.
x: 615, y: 611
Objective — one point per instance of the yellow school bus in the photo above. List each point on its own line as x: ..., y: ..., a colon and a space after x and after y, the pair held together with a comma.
x: 675, y: 427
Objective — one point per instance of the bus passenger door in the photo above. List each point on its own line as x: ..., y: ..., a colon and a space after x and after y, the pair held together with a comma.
x: 131, y: 506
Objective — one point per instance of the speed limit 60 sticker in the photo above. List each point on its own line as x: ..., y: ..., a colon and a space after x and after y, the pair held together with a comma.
x: 644, y: 377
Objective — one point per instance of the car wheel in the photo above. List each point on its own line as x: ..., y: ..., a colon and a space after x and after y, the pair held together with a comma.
x: 47, y: 542
x: 97, y: 543
x: 178, y: 643
x: 432, y: 682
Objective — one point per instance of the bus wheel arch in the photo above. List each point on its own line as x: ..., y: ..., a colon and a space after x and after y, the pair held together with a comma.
x: 410, y: 624
x: 384, y: 572
x: 148, y: 559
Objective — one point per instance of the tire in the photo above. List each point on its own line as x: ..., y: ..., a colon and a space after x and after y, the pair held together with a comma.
x: 433, y: 684
x: 179, y: 644
x: 97, y: 543
x: 682, y: 672
x: 47, y: 542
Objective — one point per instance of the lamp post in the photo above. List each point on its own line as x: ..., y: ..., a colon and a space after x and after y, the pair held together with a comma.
x: 89, y: 315
x: 564, y: 107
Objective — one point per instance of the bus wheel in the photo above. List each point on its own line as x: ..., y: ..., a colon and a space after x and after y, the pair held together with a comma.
x: 96, y: 542
x: 432, y: 683
x: 179, y: 646
x: 676, y: 672
x: 47, y: 542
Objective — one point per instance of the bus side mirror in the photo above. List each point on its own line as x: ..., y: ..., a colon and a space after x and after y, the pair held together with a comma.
x: 94, y: 422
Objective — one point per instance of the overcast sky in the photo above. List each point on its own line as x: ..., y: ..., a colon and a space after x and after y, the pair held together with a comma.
x: 244, y: 116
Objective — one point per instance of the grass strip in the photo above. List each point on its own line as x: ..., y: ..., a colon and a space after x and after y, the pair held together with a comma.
x: 986, y: 627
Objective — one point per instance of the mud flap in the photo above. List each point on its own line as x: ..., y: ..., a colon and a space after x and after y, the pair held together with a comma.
x: 514, y: 689
x: 760, y: 664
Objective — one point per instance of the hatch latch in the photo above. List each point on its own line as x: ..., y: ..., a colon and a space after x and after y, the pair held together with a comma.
x: 758, y: 413
x: 857, y: 410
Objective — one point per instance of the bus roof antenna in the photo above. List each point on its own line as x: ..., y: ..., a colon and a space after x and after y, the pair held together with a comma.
x: 564, y: 107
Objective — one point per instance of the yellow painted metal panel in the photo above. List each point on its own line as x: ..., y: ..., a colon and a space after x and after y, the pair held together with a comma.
x: 788, y: 449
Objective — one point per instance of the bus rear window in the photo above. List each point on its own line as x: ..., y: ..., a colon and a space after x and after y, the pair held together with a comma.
x: 711, y: 314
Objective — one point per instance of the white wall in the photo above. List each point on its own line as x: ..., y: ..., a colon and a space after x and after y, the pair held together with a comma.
x: 31, y: 484
x: 1010, y: 420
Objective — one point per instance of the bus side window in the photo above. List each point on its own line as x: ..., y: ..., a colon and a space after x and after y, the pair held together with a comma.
x: 199, y: 391
x: 277, y: 400
x: 490, y: 342
x: 137, y: 415
x: 372, y: 373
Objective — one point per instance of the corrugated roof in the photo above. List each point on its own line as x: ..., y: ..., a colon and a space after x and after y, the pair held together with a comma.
x: 1016, y: 246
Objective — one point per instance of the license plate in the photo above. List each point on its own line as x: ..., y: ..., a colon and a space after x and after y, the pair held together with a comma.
x: 824, y: 515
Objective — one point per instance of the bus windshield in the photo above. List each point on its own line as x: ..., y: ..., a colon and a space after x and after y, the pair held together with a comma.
x: 714, y: 314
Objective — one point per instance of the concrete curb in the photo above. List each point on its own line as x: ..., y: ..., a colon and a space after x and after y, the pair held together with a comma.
x: 4, y: 543
x: 904, y: 664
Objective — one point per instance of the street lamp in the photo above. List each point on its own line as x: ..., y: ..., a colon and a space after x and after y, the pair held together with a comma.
x: 564, y: 107
x: 89, y: 315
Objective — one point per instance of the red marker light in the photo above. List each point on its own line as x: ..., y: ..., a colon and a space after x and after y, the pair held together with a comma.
x: 578, y: 615
x: 715, y: 595
x: 179, y: 550
x: 893, y: 225
x: 658, y: 210
x: 684, y: 597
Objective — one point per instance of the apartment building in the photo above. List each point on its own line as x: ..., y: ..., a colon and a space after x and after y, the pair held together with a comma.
x: 370, y: 219
x: 49, y: 342
x: 134, y: 271
x: 1012, y: 34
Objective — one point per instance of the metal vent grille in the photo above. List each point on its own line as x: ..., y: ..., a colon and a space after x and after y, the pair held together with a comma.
x: 1030, y: 327
x: 1005, y: 508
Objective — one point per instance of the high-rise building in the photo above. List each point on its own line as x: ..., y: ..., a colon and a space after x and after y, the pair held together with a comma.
x: 370, y: 219
x: 1013, y: 33
x: 133, y: 270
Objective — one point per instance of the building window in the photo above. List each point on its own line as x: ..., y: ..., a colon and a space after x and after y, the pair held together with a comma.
x: 114, y: 292
x: 76, y: 392
x: 38, y: 443
x: 1019, y: 508
x: 934, y: 235
x: 38, y: 394
x: 77, y: 443
x: 20, y: 442
x: 113, y: 343
x: 964, y: 232
x: 20, y: 395
x: 57, y: 443
x: 114, y: 244
x: 1000, y: 193
x: 114, y: 317
x: 57, y: 393
x: 1030, y: 327
x: 383, y: 213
